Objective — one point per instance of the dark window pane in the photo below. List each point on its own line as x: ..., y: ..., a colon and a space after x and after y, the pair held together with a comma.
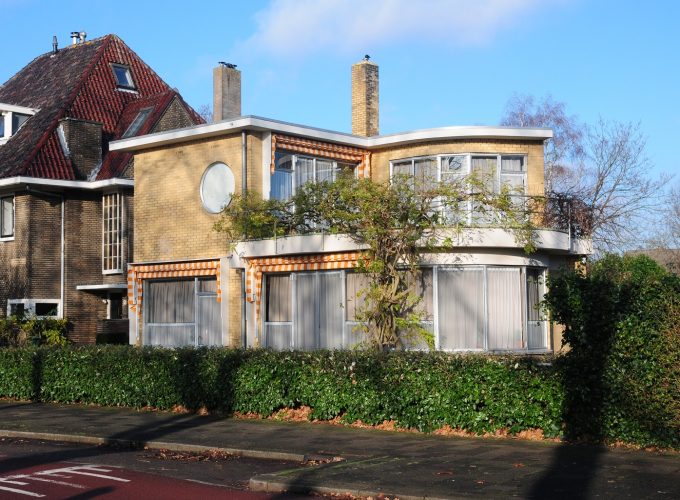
x: 46, y: 309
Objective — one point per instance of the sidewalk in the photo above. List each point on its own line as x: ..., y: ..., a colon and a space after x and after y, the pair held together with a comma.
x: 397, y: 464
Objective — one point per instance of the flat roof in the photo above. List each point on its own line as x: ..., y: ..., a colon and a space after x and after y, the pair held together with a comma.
x: 257, y: 123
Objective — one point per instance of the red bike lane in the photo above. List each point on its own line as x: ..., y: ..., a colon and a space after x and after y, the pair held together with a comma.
x: 69, y: 480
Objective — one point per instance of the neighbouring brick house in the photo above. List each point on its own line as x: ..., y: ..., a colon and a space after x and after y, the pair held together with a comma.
x: 66, y: 202
x: 188, y: 287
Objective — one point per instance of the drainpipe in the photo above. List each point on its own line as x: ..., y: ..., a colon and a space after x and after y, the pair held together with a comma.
x: 244, y: 163
x: 244, y: 332
x: 63, y: 244
x: 244, y: 188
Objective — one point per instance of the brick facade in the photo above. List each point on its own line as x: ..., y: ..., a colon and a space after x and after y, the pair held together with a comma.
x: 171, y: 223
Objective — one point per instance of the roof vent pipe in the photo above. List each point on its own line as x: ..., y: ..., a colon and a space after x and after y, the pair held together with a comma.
x: 55, y: 45
x: 75, y: 35
x: 82, y: 35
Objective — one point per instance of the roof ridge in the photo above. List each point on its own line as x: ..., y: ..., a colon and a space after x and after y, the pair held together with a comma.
x: 68, y: 101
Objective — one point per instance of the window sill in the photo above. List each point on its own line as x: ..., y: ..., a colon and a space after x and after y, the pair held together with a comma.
x: 129, y: 90
x: 113, y: 271
x: 6, y: 238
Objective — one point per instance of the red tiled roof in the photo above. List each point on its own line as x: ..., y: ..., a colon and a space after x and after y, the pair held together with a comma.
x: 115, y: 163
x: 76, y: 82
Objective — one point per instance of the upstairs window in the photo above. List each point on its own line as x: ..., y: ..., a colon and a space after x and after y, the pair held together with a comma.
x: 123, y: 76
x: 493, y: 170
x: 7, y: 217
x: 293, y: 171
x: 112, y: 233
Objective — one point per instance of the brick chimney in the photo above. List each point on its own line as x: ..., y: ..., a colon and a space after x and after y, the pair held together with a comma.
x: 365, y: 98
x: 226, y: 92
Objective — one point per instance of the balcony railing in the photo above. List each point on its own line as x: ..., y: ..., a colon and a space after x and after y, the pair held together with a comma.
x: 554, y: 212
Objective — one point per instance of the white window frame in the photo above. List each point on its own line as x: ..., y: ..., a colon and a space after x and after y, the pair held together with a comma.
x: 29, y: 306
x: 523, y: 290
x: 14, y: 213
x: 110, y: 232
x: 468, y: 170
x: 195, y: 323
x: 6, y: 112
x: 294, y: 161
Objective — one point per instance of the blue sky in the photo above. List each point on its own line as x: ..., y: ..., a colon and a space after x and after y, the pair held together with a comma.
x: 442, y: 62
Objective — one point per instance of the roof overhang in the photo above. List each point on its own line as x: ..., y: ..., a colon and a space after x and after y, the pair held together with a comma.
x: 22, y: 181
x: 102, y: 288
x: 256, y: 123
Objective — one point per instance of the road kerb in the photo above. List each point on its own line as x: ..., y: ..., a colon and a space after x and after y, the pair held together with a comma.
x: 158, y: 445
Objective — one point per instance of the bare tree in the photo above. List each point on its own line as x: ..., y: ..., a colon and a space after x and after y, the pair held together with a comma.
x: 205, y: 112
x: 564, y: 152
x: 664, y: 245
x: 616, y: 181
x: 603, y: 166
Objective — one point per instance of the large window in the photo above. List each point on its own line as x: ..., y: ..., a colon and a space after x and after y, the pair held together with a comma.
x: 6, y: 217
x: 293, y: 170
x: 490, y: 308
x: 466, y: 308
x: 112, y: 233
x: 492, y: 170
x: 182, y: 312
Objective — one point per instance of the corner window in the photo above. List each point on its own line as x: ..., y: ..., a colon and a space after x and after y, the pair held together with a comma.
x: 7, y: 217
x: 123, y: 76
x: 495, y: 171
x: 112, y: 233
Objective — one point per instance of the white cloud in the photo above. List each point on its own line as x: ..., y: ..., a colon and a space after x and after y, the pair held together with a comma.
x: 299, y: 28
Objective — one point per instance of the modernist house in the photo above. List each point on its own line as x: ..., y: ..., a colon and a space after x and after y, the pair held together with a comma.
x: 188, y: 287
x: 65, y: 201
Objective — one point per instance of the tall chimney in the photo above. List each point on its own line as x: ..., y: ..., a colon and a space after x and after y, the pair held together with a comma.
x: 226, y: 92
x: 365, y: 98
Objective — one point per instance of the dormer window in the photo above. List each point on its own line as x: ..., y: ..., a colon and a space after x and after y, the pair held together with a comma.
x: 123, y: 76
x: 12, y: 118
x: 137, y: 123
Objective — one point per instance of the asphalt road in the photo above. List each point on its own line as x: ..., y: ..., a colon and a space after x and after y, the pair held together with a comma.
x: 38, y: 469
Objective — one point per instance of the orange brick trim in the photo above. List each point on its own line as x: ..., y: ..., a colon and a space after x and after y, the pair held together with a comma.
x: 138, y: 273
x: 324, y: 149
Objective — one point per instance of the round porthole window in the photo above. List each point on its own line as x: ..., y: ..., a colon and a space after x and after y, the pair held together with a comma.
x: 217, y: 187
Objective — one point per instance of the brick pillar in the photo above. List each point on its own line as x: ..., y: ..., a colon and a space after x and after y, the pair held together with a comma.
x: 365, y: 98
x: 226, y: 92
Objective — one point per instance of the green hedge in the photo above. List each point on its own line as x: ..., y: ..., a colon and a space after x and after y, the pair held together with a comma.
x: 620, y: 381
x: 621, y: 378
x: 417, y: 390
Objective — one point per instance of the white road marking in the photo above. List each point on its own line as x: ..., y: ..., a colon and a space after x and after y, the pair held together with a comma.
x: 8, y: 481
x: 61, y: 473
x: 60, y: 483
x: 21, y: 492
x: 79, y: 469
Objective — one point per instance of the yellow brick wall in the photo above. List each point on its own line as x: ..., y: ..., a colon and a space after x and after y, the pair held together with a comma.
x: 380, y: 159
x: 170, y: 221
x: 235, y: 306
